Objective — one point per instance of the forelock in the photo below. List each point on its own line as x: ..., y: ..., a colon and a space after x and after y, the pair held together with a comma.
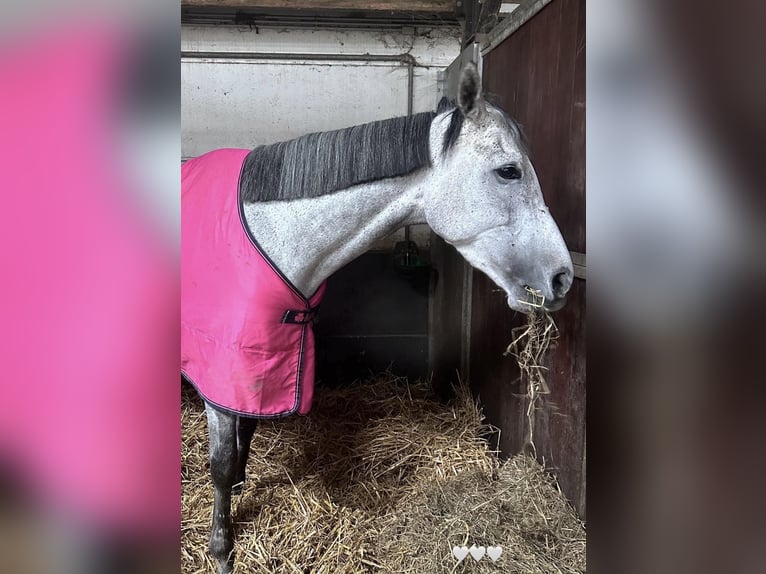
x: 457, y: 120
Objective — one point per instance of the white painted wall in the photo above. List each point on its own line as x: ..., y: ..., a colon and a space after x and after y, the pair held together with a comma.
x: 248, y: 102
x: 244, y: 103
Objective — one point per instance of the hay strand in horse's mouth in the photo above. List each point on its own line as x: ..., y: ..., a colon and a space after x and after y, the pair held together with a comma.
x: 529, y: 346
x: 381, y: 477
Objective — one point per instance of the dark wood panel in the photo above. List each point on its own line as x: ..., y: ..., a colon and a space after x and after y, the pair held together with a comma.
x: 537, y: 75
x: 445, y: 314
x: 494, y: 377
x: 560, y: 419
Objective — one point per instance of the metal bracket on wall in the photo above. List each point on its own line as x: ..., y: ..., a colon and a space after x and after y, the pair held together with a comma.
x: 578, y: 261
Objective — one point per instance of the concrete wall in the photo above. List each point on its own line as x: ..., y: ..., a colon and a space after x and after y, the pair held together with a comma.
x: 246, y: 102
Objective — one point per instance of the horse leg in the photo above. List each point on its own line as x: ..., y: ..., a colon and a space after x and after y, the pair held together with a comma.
x: 245, y: 430
x: 222, y: 430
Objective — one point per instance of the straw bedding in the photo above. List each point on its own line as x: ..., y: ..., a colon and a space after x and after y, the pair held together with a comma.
x: 381, y: 477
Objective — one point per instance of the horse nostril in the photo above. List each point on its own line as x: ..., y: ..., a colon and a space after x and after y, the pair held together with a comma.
x: 561, y: 283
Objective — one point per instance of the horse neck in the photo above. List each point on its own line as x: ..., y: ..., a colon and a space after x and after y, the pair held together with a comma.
x: 310, y: 239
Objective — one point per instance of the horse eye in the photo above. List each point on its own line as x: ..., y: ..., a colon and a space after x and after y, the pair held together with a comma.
x: 509, y: 172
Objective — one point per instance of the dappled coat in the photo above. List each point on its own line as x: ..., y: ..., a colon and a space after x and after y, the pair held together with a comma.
x: 247, y: 342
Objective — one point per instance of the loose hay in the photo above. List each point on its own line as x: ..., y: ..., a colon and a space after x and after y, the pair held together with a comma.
x: 529, y: 346
x: 381, y: 477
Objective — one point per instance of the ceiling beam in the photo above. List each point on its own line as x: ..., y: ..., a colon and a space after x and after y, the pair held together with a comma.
x: 426, y: 6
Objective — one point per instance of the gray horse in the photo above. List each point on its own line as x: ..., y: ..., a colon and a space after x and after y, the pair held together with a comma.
x: 322, y: 200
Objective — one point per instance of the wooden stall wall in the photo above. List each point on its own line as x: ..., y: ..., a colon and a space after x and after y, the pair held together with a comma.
x: 537, y: 75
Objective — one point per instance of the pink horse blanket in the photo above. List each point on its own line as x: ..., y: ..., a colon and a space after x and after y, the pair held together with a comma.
x: 247, y: 342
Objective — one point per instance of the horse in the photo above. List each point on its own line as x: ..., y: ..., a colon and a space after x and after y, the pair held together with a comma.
x: 309, y: 206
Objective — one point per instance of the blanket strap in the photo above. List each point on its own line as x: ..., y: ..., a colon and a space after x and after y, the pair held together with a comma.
x: 300, y: 316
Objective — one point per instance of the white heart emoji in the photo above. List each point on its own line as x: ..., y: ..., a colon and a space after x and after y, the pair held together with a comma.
x: 494, y: 552
x: 477, y: 553
x: 459, y: 552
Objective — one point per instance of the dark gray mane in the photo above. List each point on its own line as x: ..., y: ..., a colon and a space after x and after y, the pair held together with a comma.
x: 325, y: 162
x: 321, y: 163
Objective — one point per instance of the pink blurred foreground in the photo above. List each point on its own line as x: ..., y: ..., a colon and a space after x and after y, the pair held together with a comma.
x: 89, y: 414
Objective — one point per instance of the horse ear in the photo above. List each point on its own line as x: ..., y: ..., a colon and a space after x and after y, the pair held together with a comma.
x: 469, y: 96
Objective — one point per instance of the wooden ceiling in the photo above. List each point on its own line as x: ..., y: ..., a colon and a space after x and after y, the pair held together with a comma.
x: 357, y: 14
x: 473, y: 16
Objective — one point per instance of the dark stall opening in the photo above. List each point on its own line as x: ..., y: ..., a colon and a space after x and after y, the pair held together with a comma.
x: 374, y: 318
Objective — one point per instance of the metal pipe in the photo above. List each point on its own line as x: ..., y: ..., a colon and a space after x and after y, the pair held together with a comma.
x: 270, y: 19
x: 410, y: 87
x: 407, y: 59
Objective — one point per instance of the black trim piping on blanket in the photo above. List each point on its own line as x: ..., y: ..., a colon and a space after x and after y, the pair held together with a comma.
x: 248, y: 232
x: 283, y: 414
x: 299, y: 374
x: 304, y: 326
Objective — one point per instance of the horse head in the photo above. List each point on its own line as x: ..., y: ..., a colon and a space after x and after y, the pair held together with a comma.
x: 485, y: 200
